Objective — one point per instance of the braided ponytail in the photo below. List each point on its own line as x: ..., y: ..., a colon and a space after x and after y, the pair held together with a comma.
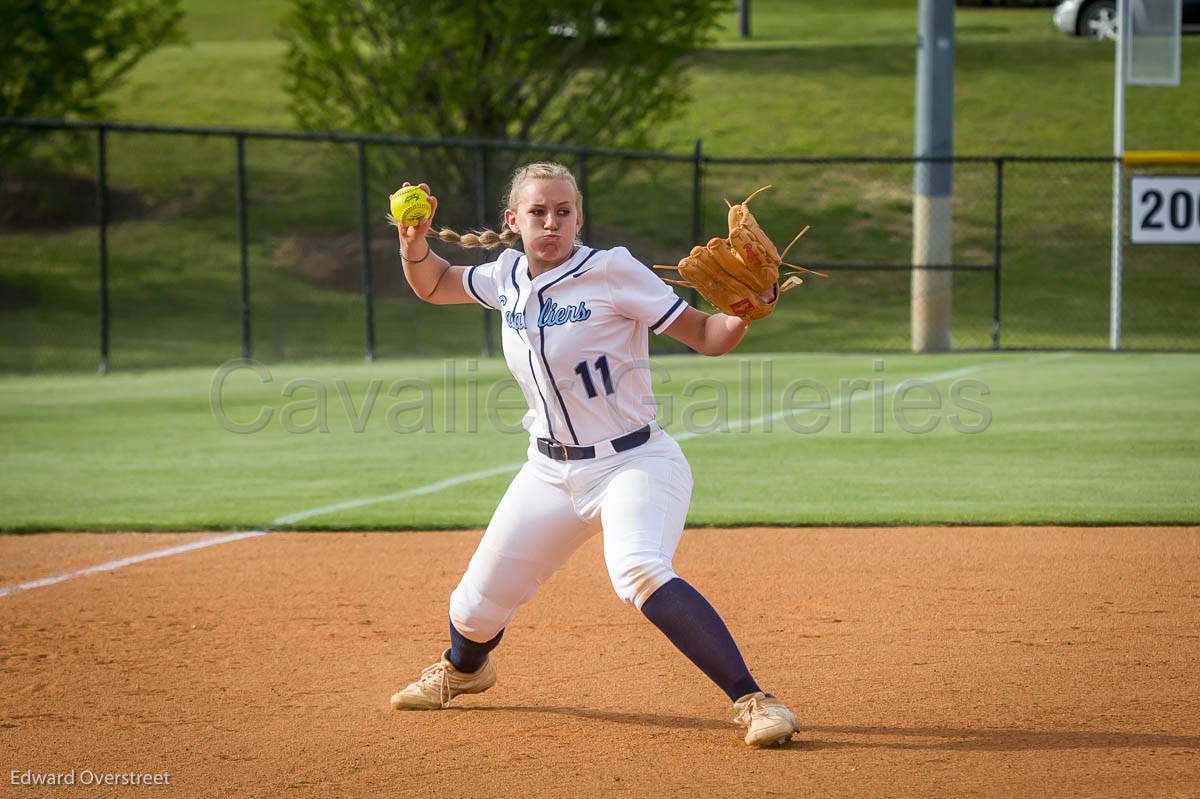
x: 486, y: 238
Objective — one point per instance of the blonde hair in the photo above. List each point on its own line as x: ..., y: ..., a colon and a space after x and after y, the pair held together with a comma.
x: 490, y: 239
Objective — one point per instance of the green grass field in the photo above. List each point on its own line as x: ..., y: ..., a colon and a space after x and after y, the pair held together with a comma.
x: 823, y: 78
x: 1069, y: 438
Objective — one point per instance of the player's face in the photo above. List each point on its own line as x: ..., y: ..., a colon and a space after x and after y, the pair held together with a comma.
x: 547, y: 219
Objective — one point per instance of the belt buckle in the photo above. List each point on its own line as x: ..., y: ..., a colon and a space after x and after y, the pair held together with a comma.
x: 557, y: 450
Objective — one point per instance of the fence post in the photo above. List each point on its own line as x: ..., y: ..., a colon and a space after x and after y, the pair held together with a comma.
x: 102, y: 225
x: 247, y: 350
x: 364, y: 230
x: 697, y: 199
x: 481, y: 206
x: 997, y: 250
x: 583, y: 189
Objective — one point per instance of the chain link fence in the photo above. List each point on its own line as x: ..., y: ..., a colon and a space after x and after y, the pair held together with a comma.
x: 142, y: 247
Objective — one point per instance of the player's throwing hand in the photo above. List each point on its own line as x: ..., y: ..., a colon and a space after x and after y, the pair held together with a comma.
x: 412, y: 238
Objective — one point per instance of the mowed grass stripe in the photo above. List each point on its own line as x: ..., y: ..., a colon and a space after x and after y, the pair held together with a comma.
x: 1090, y: 439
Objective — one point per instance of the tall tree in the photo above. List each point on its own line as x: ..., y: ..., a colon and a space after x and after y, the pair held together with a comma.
x: 576, y: 71
x: 59, y: 58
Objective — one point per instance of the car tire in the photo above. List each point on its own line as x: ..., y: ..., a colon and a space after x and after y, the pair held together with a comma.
x: 1099, y: 20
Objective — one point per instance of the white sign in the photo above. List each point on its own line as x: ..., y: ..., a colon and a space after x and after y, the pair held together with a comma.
x: 1164, y: 210
x: 1153, y: 39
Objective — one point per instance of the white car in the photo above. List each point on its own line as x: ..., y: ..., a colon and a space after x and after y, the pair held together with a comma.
x: 1097, y: 19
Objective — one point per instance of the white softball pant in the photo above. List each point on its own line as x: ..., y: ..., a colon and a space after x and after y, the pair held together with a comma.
x: 639, y: 499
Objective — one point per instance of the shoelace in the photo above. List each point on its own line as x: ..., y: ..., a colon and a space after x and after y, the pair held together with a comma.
x: 751, y: 710
x: 436, y: 675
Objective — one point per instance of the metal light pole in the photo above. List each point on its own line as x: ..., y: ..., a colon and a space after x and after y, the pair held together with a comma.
x: 932, y: 186
x: 1114, y: 292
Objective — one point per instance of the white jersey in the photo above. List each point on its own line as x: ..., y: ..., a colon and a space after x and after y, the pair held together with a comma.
x: 575, y: 339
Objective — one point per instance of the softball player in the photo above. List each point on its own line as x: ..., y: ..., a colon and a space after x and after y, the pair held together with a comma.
x: 575, y: 336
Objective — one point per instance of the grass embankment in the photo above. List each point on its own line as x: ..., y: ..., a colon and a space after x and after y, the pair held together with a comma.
x: 816, y: 79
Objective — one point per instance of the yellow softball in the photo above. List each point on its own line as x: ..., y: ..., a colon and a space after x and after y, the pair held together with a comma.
x: 410, y: 205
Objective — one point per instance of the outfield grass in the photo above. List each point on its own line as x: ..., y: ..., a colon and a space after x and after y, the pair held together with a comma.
x: 1072, y: 439
x: 821, y: 78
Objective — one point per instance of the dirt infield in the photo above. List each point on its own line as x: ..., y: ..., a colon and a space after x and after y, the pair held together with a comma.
x: 952, y: 661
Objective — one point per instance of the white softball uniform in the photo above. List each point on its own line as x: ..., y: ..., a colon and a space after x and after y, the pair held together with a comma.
x: 575, y: 338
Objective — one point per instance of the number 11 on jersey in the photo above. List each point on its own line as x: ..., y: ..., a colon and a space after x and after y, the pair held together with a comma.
x: 581, y: 369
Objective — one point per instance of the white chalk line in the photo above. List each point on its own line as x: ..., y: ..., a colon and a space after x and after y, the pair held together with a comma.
x: 469, y: 477
x: 432, y: 488
x: 121, y: 563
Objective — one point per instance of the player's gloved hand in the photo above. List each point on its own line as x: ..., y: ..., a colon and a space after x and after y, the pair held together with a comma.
x: 740, y: 275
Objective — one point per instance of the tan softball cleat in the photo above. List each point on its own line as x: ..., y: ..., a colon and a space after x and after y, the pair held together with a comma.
x: 768, y: 719
x: 440, y: 683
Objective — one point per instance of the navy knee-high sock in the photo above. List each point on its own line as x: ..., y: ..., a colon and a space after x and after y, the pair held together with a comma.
x: 468, y: 656
x: 691, y: 623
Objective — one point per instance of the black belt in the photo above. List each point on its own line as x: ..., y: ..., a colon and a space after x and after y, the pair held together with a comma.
x: 563, y: 452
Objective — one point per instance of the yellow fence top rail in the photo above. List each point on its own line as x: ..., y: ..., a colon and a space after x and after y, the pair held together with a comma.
x: 1161, y: 157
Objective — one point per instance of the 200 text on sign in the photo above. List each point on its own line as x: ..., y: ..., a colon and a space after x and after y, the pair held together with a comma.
x: 1164, y: 210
